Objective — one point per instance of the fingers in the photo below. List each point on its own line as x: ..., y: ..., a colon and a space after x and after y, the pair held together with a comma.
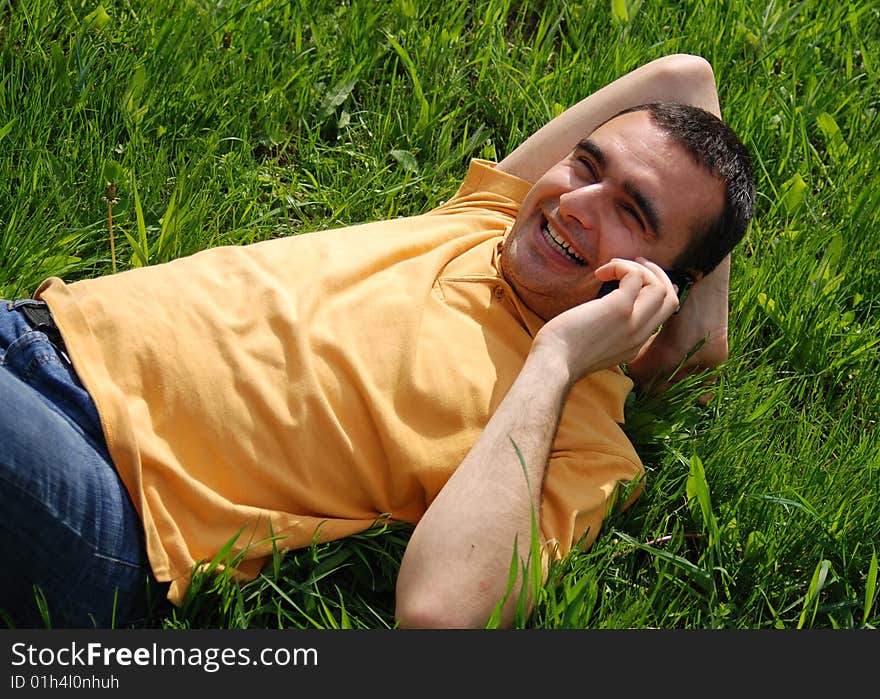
x: 644, y: 285
x: 660, y: 274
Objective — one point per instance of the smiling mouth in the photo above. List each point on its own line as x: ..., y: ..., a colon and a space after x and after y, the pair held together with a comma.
x: 559, y: 244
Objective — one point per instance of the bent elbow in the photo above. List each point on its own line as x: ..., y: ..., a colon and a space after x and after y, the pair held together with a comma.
x: 691, y: 79
x: 688, y: 63
x: 424, y: 611
x: 690, y: 68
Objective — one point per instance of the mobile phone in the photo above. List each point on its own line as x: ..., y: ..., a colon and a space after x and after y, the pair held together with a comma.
x: 682, y: 280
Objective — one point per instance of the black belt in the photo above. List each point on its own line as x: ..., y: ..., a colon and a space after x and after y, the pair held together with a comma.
x: 40, y: 318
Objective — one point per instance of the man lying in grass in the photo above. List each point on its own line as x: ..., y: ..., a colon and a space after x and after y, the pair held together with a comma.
x: 457, y: 370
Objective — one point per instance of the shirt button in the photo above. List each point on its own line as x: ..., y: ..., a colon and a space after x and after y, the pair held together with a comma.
x: 499, y: 292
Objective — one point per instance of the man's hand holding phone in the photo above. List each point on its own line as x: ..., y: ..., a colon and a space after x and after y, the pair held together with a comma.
x: 594, y: 336
x: 682, y: 281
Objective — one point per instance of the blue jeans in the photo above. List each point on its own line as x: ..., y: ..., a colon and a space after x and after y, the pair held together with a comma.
x: 67, y: 523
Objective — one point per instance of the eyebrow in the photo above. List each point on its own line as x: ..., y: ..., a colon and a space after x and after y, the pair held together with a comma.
x: 645, y: 205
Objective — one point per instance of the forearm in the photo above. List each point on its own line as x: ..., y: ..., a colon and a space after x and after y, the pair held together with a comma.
x: 455, y: 569
x: 677, y: 78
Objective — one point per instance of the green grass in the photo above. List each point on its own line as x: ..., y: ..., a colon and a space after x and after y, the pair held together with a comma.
x: 233, y: 122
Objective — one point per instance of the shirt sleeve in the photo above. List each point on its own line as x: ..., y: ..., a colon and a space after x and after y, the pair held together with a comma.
x: 487, y: 188
x: 580, y: 491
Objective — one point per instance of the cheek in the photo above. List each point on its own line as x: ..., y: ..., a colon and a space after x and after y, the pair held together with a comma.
x: 616, y: 242
x: 527, y: 208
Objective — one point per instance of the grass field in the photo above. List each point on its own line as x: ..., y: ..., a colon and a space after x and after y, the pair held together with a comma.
x: 233, y: 122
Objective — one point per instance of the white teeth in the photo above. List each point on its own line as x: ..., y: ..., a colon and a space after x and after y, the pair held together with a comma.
x: 562, y: 245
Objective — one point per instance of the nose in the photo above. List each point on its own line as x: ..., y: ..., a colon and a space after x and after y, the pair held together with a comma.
x: 585, y: 210
x: 586, y: 205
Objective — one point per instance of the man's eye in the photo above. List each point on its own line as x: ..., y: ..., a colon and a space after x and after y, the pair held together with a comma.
x: 588, y: 165
x: 634, y: 215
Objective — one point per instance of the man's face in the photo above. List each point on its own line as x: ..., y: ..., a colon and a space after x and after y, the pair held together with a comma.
x: 626, y: 191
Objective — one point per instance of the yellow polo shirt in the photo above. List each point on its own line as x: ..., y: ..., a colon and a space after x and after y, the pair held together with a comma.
x: 307, y: 386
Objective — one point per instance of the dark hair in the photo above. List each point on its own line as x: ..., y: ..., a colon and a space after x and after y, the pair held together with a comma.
x: 715, y: 146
